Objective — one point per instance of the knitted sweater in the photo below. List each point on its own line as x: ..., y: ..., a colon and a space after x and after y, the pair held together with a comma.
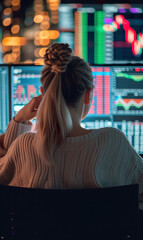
x: 101, y: 158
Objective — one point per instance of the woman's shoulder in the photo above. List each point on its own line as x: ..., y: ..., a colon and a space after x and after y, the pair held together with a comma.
x: 24, y: 139
x: 109, y: 131
x: 110, y: 135
x: 27, y: 135
x: 102, y: 134
x: 21, y: 146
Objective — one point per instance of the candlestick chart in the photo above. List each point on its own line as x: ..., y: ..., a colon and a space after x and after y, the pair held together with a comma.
x: 127, y: 31
x: 103, y: 34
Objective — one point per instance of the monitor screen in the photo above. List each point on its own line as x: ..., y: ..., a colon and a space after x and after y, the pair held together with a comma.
x: 118, y: 101
x: 117, y: 97
x: 25, y: 84
x: 103, y: 33
x: 4, y: 98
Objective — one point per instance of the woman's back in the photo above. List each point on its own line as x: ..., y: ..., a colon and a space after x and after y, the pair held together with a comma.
x: 92, y: 160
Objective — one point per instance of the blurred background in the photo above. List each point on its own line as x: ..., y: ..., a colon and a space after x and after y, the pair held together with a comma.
x: 26, y: 28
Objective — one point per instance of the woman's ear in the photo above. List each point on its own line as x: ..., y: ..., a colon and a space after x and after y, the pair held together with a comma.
x: 41, y: 90
x: 88, y: 96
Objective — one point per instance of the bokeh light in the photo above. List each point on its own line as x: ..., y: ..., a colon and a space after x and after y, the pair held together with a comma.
x: 49, y: 34
x: 7, y: 58
x: 28, y: 61
x: 39, y: 61
x: 15, y: 2
x: 6, y: 49
x: 36, y: 52
x: 15, y: 29
x: 38, y: 18
x: 44, y: 42
x: 7, y: 11
x: 14, y: 41
x: 42, y: 52
x: 27, y: 29
x: 44, y: 25
x: 16, y: 49
x: 7, y: 22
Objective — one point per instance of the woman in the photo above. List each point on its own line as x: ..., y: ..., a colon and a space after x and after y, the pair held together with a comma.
x: 62, y: 154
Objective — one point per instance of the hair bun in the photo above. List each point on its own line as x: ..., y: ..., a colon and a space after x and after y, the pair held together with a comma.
x: 58, y: 56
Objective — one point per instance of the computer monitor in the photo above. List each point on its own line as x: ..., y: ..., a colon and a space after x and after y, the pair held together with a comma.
x: 117, y: 97
x: 4, y: 98
x: 118, y: 101
x: 25, y: 84
x: 103, y: 33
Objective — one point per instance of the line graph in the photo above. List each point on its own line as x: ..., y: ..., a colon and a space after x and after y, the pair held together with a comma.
x: 129, y: 80
x: 127, y: 103
x: 134, y: 77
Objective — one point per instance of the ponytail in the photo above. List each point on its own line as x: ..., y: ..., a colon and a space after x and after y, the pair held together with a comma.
x: 53, y: 120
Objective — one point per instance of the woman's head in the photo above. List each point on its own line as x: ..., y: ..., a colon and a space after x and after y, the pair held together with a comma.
x: 65, y: 78
x: 75, y: 73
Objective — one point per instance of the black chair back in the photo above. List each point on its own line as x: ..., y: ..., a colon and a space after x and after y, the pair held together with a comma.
x: 38, y: 214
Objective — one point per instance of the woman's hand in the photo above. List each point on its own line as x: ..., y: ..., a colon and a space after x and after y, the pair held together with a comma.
x: 1, y: 140
x: 28, y: 112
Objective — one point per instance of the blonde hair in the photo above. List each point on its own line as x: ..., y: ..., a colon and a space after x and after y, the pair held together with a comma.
x: 64, y: 79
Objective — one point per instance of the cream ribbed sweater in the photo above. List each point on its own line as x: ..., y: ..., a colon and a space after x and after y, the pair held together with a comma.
x: 101, y: 158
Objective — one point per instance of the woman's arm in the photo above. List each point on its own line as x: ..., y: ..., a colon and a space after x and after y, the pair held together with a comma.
x: 28, y: 112
x: 21, y: 122
x: 7, y: 164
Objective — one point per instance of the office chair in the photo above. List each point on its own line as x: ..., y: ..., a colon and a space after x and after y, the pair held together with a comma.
x: 92, y: 214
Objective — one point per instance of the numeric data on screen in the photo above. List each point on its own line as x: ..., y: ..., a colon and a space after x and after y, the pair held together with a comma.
x: 118, y: 101
x: 4, y: 98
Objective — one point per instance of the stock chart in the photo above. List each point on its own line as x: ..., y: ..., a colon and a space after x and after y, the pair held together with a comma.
x: 103, y: 33
x: 25, y: 82
x: 128, y: 93
x: 118, y: 101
